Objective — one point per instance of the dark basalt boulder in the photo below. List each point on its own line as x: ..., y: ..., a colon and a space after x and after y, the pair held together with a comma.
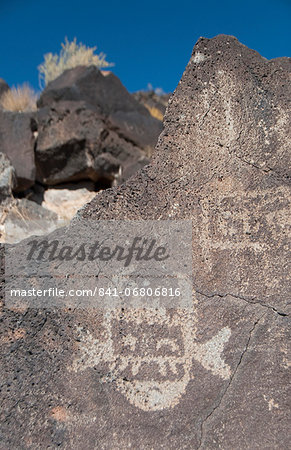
x: 211, y: 376
x: 17, y: 141
x: 106, y: 94
x: 75, y: 142
x: 85, y: 113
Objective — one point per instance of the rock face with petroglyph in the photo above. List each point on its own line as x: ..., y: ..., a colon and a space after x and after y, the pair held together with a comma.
x: 214, y: 375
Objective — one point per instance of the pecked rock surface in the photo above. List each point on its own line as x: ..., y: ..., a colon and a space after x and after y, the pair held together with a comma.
x: 220, y: 374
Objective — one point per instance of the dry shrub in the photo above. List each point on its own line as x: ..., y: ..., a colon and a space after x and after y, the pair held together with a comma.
x: 71, y: 55
x: 19, y: 99
x: 155, y: 112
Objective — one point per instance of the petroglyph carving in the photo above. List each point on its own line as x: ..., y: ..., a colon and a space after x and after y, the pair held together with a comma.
x: 149, y: 354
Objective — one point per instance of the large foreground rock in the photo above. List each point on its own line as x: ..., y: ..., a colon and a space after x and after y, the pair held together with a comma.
x: 215, y: 375
x: 17, y: 140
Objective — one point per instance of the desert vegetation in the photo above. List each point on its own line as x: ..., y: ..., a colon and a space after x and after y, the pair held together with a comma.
x: 71, y: 55
x: 19, y: 99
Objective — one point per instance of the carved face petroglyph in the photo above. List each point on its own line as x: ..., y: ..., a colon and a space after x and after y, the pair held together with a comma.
x: 149, y: 353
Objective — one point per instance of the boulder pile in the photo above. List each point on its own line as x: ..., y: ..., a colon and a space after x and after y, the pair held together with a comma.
x: 87, y: 127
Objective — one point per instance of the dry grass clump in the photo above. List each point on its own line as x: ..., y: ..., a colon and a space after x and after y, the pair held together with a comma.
x: 71, y: 55
x: 155, y: 112
x: 19, y: 99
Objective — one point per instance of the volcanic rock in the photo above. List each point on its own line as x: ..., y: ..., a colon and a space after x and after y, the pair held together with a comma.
x: 7, y: 178
x: 210, y: 376
x: 76, y: 143
x: 107, y: 95
x: 17, y: 140
x: 90, y: 127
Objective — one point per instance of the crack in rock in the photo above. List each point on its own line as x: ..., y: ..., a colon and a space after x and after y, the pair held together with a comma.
x: 251, y: 301
x: 229, y: 383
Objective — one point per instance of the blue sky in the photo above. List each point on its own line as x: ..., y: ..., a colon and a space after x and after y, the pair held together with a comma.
x: 149, y: 41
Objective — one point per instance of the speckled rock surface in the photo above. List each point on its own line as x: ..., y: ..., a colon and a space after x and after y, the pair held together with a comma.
x: 220, y: 380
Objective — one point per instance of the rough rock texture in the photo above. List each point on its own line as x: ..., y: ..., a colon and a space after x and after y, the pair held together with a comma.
x: 76, y: 142
x: 222, y: 161
x: 17, y: 140
x: 7, y: 178
x: 3, y: 87
x: 91, y: 127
